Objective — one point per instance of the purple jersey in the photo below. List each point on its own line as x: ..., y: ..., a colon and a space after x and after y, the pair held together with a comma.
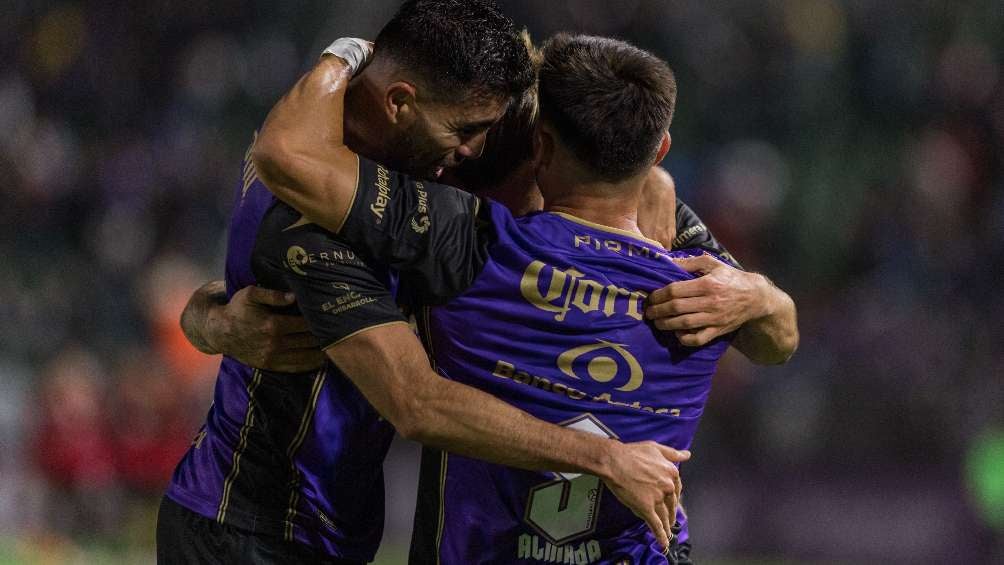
x: 546, y: 313
x: 298, y: 456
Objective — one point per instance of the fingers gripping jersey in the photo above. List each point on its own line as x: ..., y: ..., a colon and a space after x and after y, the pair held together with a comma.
x: 546, y: 313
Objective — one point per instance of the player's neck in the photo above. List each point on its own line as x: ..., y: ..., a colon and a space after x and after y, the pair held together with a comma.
x: 607, y: 206
x: 569, y: 188
x: 364, y: 130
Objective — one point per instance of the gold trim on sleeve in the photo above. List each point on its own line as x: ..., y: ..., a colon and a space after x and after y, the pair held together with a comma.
x: 303, y: 221
x: 355, y: 194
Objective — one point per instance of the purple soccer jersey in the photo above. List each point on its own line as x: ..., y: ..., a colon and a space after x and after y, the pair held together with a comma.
x: 546, y: 313
x: 295, y: 456
x: 554, y: 325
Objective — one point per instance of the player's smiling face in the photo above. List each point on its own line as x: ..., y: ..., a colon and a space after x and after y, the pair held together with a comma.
x: 444, y: 135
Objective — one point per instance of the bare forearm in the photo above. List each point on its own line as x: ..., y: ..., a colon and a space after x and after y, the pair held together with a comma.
x: 390, y: 368
x: 195, y: 318
x: 770, y: 339
x: 472, y: 423
x: 300, y: 154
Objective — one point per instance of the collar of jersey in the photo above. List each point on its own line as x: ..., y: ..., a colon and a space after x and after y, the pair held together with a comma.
x: 601, y: 227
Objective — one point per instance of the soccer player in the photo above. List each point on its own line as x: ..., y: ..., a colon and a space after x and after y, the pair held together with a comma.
x: 545, y: 312
x: 288, y: 467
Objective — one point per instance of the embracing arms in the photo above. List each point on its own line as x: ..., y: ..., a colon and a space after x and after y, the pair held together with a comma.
x: 300, y: 153
x: 390, y: 367
x: 723, y: 298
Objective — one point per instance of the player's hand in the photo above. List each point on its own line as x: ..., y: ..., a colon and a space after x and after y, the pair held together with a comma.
x: 719, y: 301
x: 248, y: 329
x: 355, y: 52
x: 657, y: 209
x: 646, y: 480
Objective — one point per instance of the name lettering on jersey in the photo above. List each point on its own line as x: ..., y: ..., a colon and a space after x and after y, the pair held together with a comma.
x: 420, y: 223
x: 569, y: 288
x: 532, y: 547
x: 616, y: 246
x: 507, y: 370
x: 297, y: 257
x: 383, y: 193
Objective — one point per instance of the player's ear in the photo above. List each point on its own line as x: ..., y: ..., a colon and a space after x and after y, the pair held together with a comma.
x: 667, y: 140
x: 399, y: 103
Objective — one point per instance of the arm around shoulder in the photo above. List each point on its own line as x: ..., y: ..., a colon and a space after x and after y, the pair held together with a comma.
x: 773, y: 338
x: 300, y: 152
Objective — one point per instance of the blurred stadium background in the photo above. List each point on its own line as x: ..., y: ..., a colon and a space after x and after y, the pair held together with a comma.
x: 850, y: 150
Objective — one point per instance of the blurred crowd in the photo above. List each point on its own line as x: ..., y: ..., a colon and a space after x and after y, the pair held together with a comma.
x: 853, y: 151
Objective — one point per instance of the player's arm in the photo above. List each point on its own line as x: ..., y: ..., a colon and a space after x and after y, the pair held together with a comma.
x: 426, y: 229
x: 390, y: 367
x: 723, y: 299
x: 300, y: 153
x: 248, y: 328
x: 350, y: 310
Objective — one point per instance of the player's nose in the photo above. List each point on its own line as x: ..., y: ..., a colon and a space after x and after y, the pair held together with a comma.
x: 473, y: 148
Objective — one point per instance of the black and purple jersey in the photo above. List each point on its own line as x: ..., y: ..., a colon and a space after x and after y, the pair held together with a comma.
x: 544, y: 312
x: 295, y: 456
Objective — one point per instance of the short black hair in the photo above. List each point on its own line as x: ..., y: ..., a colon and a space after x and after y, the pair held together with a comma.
x: 609, y: 101
x: 459, y: 49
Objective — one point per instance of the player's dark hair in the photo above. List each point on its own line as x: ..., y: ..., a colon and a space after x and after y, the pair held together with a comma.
x: 509, y: 143
x: 458, y: 48
x: 609, y: 101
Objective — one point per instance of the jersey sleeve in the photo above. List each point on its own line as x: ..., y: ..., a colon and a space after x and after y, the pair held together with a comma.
x: 337, y: 292
x: 692, y: 233
x: 435, y: 235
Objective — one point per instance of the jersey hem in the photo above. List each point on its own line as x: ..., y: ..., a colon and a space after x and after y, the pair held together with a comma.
x: 259, y: 526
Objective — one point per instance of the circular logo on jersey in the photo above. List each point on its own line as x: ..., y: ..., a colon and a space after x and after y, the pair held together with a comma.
x: 422, y: 225
x: 296, y: 257
x: 603, y: 362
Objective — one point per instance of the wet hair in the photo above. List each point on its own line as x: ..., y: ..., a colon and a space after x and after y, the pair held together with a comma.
x: 609, y: 101
x: 458, y: 49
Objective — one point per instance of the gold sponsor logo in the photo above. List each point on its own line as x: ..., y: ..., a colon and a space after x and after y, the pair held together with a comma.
x: 382, y: 186
x: 421, y: 223
x: 688, y: 234
x: 569, y: 288
x: 603, y: 368
x: 509, y: 371
x: 346, y: 302
x: 297, y: 257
